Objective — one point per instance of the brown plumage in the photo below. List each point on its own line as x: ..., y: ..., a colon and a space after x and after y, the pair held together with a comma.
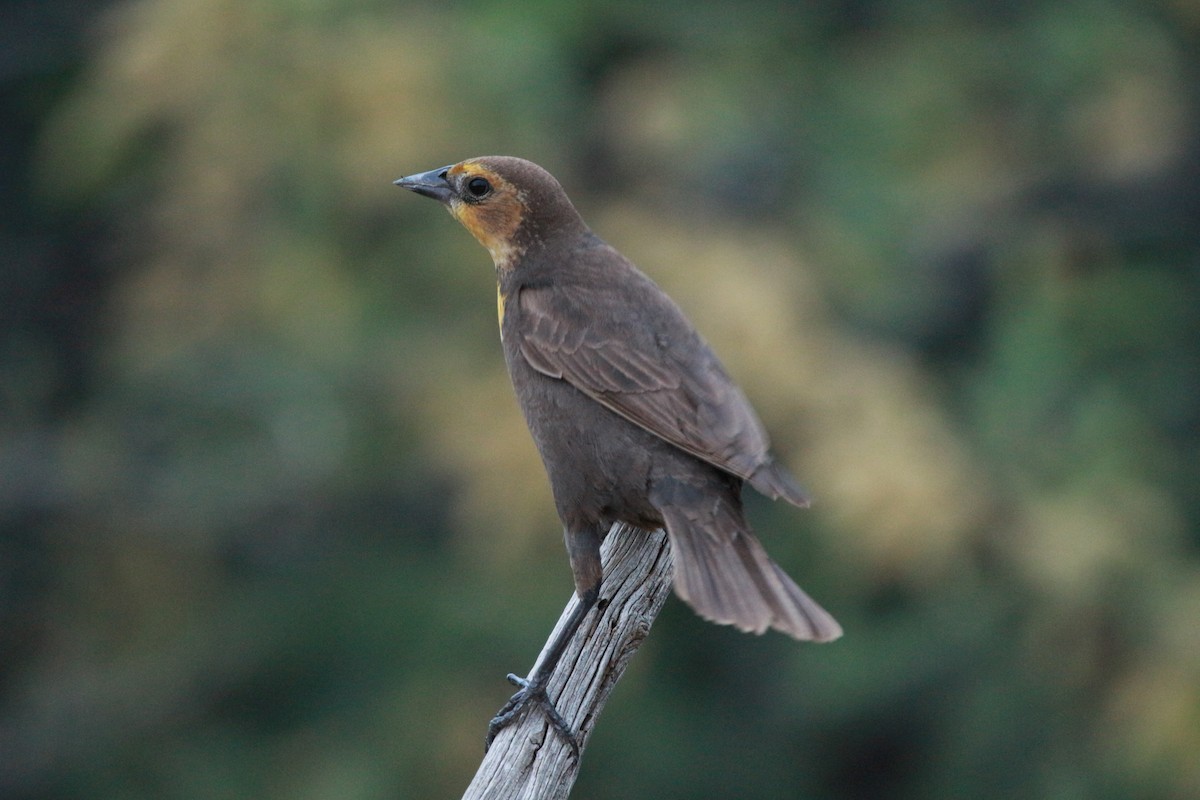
x: 635, y: 418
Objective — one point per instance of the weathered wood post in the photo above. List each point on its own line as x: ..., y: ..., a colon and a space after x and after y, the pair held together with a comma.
x: 528, y: 760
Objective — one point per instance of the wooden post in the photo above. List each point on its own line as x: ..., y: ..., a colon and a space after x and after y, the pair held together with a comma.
x: 529, y: 760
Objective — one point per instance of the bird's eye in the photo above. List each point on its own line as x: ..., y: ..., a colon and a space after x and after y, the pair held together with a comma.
x: 478, y: 187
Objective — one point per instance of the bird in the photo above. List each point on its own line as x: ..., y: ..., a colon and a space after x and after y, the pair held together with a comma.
x: 634, y: 417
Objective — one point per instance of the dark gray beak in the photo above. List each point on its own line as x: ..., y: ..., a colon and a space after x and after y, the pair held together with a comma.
x: 431, y: 184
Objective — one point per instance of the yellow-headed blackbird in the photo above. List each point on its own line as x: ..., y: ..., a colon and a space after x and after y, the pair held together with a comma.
x: 634, y: 417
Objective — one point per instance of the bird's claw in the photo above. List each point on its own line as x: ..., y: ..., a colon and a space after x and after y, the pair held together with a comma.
x: 529, y: 694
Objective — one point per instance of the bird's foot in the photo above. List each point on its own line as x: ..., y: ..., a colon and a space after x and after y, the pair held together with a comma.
x: 531, y: 693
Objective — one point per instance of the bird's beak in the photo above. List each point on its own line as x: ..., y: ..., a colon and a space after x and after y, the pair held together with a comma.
x: 431, y: 184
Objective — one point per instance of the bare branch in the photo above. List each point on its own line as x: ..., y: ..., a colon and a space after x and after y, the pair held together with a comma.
x: 528, y: 760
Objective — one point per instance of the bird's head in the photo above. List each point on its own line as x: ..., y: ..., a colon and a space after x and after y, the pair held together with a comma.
x: 507, y: 203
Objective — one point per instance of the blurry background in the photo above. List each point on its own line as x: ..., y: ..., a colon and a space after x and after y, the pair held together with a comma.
x: 271, y: 525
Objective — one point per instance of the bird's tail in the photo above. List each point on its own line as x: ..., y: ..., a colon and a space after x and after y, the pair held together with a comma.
x: 723, y: 573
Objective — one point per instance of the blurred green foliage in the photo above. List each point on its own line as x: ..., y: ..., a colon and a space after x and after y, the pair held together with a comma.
x: 270, y: 523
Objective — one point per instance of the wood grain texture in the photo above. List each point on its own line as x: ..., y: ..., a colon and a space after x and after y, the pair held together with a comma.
x: 528, y: 760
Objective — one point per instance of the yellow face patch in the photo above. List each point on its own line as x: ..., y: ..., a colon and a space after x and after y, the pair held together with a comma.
x: 494, y: 219
x: 500, y: 310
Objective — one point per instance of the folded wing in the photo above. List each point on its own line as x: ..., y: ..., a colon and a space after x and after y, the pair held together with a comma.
x: 646, y: 362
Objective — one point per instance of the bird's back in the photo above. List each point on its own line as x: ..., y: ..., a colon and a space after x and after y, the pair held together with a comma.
x: 582, y: 313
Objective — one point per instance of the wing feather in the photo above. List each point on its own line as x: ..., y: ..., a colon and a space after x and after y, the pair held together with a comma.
x: 643, y: 360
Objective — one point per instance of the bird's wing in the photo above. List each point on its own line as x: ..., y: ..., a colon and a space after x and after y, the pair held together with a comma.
x: 643, y: 360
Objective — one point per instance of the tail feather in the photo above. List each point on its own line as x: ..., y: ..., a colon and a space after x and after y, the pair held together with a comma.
x: 723, y: 573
